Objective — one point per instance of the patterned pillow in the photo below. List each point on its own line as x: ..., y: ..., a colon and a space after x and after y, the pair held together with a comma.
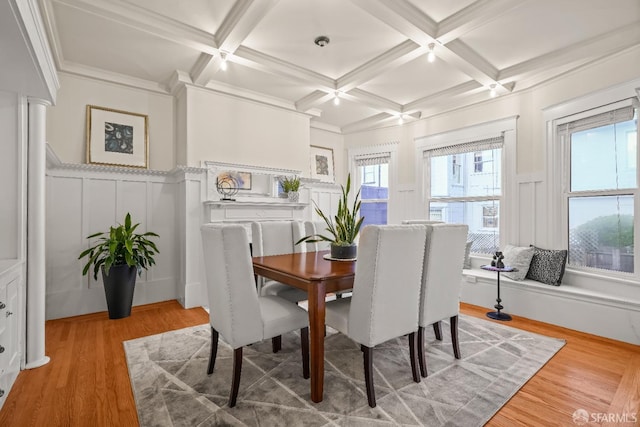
x: 518, y: 257
x: 547, y: 266
x: 467, y: 257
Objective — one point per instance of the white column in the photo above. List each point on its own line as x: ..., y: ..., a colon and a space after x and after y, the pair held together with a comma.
x: 36, y: 274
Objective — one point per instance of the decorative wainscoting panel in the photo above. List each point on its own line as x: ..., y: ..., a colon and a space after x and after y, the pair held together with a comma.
x: 82, y: 200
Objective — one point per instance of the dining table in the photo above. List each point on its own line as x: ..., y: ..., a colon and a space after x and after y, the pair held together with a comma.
x: 318, y: 276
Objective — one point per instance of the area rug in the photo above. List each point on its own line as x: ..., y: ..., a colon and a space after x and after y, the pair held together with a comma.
x: 171, y: 386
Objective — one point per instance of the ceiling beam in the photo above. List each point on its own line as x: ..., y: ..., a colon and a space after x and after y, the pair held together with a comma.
x: 447, y: 94
x: 260, y: 61
x: 374, y: 101
x: 394, y: 57
x: 240, y: 21
x: 315, y: 98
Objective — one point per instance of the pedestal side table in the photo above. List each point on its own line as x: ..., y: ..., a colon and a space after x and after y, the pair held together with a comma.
x: 498, y: 315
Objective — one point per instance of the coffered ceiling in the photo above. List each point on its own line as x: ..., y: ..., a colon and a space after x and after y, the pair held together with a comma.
x: 376, y: 60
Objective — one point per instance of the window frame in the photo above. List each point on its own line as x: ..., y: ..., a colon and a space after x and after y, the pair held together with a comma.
x: 564, y: 145
x: 507, y: 128
x: 556, y: 182
x: 389, y: 148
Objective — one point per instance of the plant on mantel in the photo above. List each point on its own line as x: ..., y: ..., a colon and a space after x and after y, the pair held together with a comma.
x: 291, y: 186
x: 344, y: 227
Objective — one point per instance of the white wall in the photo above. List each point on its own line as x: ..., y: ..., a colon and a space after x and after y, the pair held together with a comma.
x: 66, y: 122
x: 9, y: 174
x: 222, y: 128
x: 86, y: 200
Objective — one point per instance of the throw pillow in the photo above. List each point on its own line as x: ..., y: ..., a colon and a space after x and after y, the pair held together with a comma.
x: 547, y: 265
x: 467, y: 257
x: 518, y: 257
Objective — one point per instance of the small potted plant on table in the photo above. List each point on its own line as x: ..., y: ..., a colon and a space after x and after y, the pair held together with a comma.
x: 344, y: 228
x: 119, y: 254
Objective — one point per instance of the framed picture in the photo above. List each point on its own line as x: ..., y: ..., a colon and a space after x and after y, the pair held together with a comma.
x: 117, y: 138
x: 239, y: 180
x: 322, y: 164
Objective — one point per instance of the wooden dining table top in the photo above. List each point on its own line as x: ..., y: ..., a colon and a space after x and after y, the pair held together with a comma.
x: 306, y: 266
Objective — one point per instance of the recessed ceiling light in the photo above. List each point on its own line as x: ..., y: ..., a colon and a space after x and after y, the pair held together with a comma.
x: 321, y: 41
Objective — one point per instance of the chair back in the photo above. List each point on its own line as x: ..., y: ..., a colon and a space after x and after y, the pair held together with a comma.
x: 234, y: 310
x: 442, y: 273
x: 387, y: 282
x: 276, y: 237
x: 317, y: 227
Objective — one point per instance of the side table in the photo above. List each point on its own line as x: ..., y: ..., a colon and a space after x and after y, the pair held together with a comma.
x: 498, y: 315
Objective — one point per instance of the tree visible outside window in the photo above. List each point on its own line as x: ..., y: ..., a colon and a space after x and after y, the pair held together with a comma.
x: 602, y: 174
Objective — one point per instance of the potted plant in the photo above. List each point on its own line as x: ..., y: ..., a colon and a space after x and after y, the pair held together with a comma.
x: 119, y: 254
x: 291, y: 185
x: 344, y: 227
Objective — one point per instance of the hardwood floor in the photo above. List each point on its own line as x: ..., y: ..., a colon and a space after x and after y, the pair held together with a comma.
x: 87, y: 383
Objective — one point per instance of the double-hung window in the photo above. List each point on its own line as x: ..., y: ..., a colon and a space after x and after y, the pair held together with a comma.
x: 464, y: 185
x: 373, y: 179
x: 600, y: 191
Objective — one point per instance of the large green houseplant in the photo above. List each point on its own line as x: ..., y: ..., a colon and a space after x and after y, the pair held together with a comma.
x: 343, y: 227
x: 119, y: 254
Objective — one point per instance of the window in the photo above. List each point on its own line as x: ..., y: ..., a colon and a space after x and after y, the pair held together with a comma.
x: 601, y: 190
x: 374, y: 189
x: 470, y: 193
x: 372, y: 171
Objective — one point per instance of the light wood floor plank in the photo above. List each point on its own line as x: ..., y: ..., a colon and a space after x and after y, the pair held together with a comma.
x: 87, y: 381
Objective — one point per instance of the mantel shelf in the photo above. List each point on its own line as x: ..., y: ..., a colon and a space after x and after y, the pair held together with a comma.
x: 220, y: 204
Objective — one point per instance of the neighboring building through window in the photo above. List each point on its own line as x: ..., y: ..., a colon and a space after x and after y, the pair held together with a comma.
x: 461, y: 189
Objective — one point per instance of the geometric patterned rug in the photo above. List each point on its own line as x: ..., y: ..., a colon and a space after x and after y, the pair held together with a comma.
x: 171, y: 386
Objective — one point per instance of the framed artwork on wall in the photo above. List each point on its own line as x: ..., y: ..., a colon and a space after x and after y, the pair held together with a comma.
x: 234, y: 179
x: 117, y: 138
x: 322, y: 164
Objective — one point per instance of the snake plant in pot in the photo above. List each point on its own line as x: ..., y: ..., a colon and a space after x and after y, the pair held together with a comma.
x: 343, y: 227
x: 119, y: 254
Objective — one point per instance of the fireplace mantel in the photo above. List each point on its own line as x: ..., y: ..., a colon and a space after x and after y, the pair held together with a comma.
x: 248, y: 211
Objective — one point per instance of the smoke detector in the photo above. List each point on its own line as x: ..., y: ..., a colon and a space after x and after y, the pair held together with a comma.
x: 321, y: 41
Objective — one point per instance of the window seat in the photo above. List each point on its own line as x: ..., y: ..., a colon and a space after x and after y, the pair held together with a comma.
x: 566, y: 305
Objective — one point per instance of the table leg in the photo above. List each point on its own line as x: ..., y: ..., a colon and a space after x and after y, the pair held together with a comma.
x: 317, y: 296
x: 498, y: 315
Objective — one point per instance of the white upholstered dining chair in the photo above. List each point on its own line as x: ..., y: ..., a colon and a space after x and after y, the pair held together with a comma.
x: 316, y: 227
x: 277, y: 238
x: 441, y: 283
x: 386, y: 292
x: 235, y: 310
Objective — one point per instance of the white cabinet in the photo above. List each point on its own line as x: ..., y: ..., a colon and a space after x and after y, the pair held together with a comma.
x: 9, y: 329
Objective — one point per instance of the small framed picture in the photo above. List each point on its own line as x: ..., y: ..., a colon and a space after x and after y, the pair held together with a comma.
x: 322, y: 164
x: 117, y: 138
x: 235, y: 180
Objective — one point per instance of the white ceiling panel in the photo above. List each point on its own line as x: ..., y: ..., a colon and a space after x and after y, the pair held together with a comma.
x: 205, y: 15
x: 375, y: 55
x: 540, y: 27
x: 414, y: 80
x: 290, y: 28
x: 128, y: 51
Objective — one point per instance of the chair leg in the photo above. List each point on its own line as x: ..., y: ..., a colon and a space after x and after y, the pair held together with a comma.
x: 368, y: 374
x: 421, y: 350
x: 304, y: 343
x: 237, y: 370
x: 437, y: 329
x: 413, y: 344
x: 214, y: 351
x: 276, y: 343
x: 454, y: 336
